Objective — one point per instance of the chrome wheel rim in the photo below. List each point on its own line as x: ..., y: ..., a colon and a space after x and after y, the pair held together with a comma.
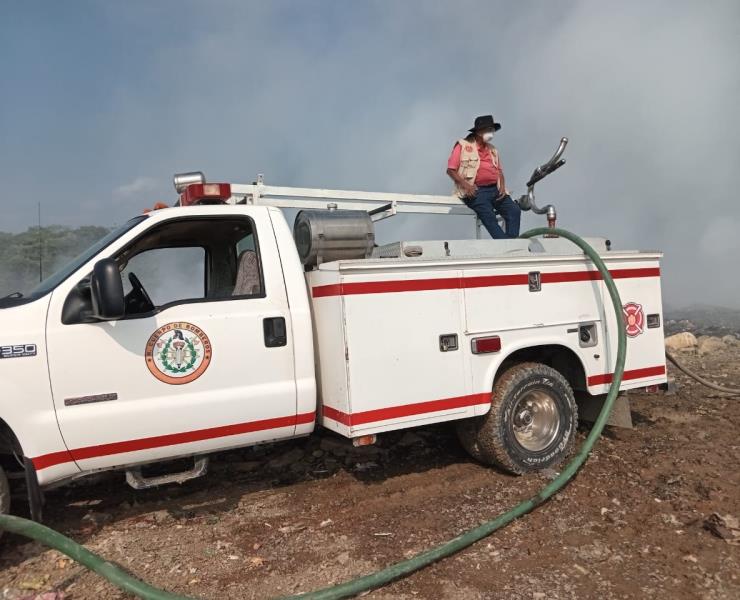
x: 536, y: 420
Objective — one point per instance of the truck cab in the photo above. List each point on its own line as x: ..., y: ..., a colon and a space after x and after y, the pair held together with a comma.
x: 209, y: 347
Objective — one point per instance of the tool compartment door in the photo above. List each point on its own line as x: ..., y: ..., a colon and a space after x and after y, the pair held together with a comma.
x: 329, y: 347
x: 398, y: 373
x: 638, y: 282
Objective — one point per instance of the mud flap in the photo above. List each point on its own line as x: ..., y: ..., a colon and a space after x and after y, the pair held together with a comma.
x: 589, y: 408
x: 35, y: 494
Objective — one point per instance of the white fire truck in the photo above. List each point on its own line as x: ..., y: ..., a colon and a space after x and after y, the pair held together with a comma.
x: 210, y: 325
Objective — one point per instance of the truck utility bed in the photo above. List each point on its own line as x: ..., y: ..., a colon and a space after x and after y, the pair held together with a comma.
x: 394, y: 333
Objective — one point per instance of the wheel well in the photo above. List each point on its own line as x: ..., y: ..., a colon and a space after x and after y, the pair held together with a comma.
x: 9, y: 447
x: 560, y: 358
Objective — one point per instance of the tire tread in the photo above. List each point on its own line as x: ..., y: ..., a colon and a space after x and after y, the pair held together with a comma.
x: 483, y: 438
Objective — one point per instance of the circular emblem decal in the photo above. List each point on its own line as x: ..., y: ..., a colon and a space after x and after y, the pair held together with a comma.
x: 468, y: 148
x: 178, y: 353
x: 634, y: 319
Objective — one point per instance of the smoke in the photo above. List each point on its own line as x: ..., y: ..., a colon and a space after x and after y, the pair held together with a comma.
x: 138, y: 187
x: 372, y: 96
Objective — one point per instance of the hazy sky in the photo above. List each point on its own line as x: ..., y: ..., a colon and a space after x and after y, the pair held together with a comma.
x: 101, y: 102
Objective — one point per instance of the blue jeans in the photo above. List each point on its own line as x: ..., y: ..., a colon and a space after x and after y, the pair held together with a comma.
x: 486, y: 206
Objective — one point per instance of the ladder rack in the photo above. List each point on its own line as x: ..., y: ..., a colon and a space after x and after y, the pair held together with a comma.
x: 380, y: 205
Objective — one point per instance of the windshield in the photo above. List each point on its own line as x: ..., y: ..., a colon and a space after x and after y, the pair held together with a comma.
x: 54, y: 280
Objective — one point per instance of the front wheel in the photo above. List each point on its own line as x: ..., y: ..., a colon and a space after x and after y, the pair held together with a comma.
x: 531, y: 424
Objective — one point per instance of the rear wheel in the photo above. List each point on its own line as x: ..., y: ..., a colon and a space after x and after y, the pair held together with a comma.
x: 531, y: 424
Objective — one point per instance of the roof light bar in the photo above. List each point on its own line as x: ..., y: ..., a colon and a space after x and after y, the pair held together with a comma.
x: 205, y: 193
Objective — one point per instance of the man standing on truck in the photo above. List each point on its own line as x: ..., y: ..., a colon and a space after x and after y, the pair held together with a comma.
x: 475, y: 167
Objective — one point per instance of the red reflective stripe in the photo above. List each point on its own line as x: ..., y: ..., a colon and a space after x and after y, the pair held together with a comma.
x: 495, y: 280
x: 633, y: 374
x: 631, y: 273
x: 382, y: 287
x: 49, y: 460
x: 451, y: 283
x: 406, y: 410
x: 570, y: 276
x: 171, y: 439
x: 336, y: 415
x: 327, y: 290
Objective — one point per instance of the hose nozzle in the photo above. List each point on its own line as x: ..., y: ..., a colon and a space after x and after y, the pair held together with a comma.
x: 526, y: 201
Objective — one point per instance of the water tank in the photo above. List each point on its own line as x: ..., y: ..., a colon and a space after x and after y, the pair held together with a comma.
x: 326, y: 235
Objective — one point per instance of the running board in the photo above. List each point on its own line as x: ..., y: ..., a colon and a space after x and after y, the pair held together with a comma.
x: 136, y: 479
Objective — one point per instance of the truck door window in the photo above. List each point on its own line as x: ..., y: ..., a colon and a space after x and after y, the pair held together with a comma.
x: 200, y: 259
x: 167, y: 274
x: 191, y: 259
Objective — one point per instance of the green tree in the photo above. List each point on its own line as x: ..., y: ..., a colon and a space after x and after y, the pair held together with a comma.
x: 55, y: 246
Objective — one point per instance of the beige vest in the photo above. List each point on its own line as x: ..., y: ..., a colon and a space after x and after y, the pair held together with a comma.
x: 470, y: 162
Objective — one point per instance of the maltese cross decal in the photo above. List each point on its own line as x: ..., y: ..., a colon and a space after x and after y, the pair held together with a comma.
x: 634, y: 319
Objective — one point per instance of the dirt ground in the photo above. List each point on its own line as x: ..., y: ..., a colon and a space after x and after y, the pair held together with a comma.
x: 294, y: 517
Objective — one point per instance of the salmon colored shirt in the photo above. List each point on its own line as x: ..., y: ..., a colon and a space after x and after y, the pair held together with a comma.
x: 487, y: 173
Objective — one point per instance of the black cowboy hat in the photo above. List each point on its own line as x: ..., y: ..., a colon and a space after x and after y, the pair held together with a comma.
x: 484, y: 122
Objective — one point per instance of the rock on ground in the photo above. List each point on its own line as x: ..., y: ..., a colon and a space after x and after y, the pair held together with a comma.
x: 731, y: 340
x: 708, y: 345
x: 681, y: 341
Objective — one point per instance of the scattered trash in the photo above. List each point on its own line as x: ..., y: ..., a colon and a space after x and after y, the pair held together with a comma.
x: 45, y: 596
x: 292, y: 528
x: 34, y: 583
x: 725, y: 527
x: 669, y: 519
x: 256, y: 562
x: 365, y: 466
x: 550, y: 473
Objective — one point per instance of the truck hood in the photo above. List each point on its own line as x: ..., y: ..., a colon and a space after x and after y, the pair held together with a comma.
x: 13, y: 300
x: 22, y: 319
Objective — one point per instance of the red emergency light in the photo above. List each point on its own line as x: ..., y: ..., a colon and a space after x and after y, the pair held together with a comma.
x: 205, y: 193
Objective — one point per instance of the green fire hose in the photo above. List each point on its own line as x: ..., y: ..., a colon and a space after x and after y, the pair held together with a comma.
x: 128, y: 583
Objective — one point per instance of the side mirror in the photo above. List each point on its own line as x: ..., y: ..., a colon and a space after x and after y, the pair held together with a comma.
x: 106, y: 289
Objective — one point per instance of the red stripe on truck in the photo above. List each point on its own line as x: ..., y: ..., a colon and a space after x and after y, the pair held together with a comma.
x: 570, y: 276
x: 405, y: 410
x: 170, y: 439
x: 49, y: 460
x: 633, y: 374
x: 452, y: 283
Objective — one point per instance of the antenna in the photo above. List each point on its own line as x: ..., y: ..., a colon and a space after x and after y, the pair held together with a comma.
x: 41, y: 248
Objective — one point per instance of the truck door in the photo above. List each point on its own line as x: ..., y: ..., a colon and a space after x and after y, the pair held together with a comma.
x: 202, y: 360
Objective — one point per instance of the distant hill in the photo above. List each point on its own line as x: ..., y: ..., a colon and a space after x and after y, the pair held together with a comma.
x: 703, y: 319
x: 20, y: 253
